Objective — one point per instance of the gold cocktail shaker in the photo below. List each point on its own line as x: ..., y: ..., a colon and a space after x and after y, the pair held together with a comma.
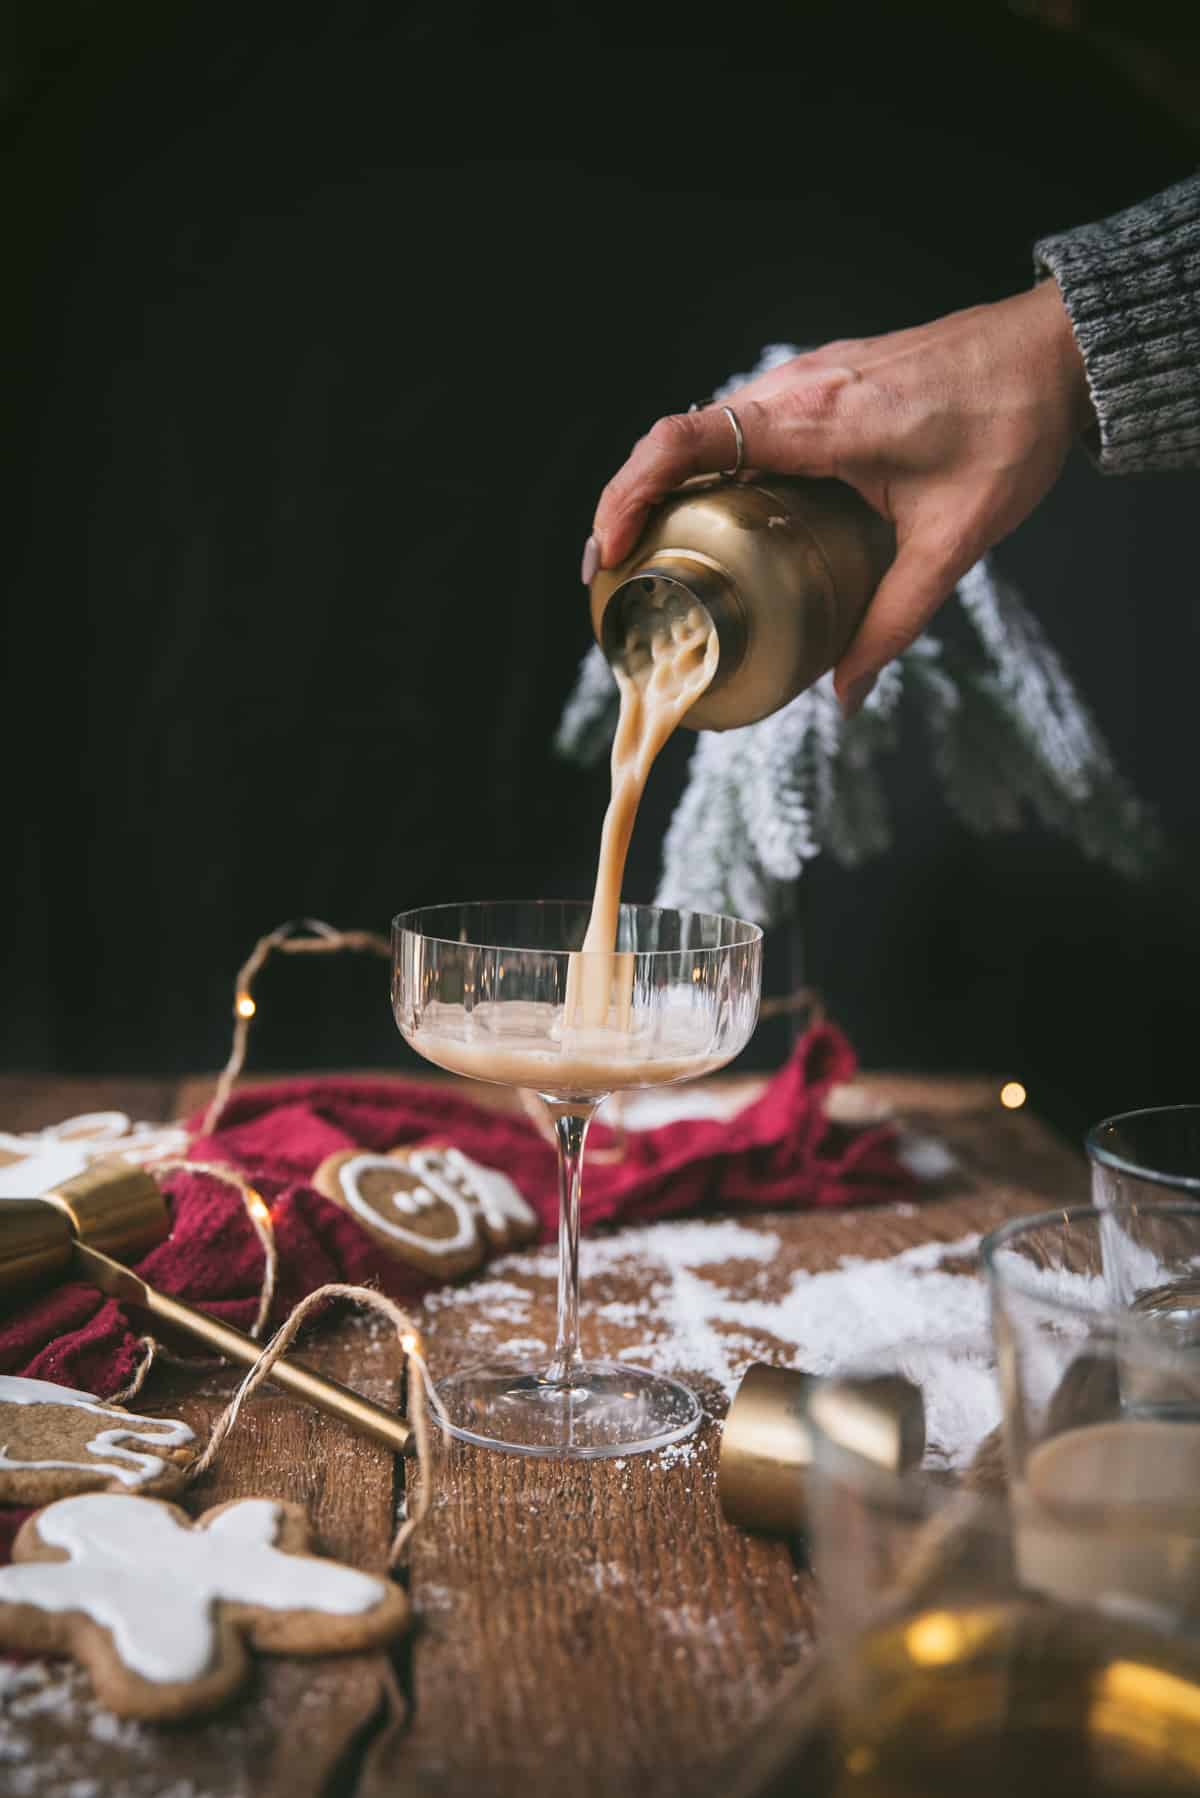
x: 783, y: 566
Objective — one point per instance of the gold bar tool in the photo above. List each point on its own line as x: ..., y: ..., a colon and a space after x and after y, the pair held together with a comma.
x: 115, y: 1209
x: 767, y: 1442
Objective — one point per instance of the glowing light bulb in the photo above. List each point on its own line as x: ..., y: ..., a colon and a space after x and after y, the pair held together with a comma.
x: 934, y: 1640
x: 257, y: 1207
x: 1012, y: 1095
x: 410, y: 1342
x: 245, y: 1006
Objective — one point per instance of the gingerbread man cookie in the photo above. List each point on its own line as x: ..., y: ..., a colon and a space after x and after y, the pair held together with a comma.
x: 54, y: 1440
x: 505, y: 1217
x: 431, y: 1205
x: 160, y: 1610
x: 423, y: 1222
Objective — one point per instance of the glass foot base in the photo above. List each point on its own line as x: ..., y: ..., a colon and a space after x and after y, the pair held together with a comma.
x: 609, y: 1409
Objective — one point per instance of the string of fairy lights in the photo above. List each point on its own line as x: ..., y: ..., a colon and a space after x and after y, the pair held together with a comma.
x: 312, y: 936
x: 298, y: 937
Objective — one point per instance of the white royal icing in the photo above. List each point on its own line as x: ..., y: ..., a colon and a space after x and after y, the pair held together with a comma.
x: 154, y: 1582
x: 464, y: 1237
x: 59, y: 1152
x: 137, y: 1467
x: 498, y: 1199
x: 419, y: 1199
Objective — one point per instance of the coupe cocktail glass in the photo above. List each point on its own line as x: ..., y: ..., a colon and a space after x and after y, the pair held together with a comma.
x: 494, y: 991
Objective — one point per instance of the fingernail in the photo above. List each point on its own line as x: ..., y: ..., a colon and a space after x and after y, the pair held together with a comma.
x: 856, y: 694
x: 591, y: 561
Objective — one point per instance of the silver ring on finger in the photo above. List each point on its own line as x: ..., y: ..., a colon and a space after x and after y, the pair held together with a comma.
x: 739, y: 462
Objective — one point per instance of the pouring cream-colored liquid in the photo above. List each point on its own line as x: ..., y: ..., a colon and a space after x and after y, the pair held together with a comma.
x: 592, y: 1044
x: 1112, y: 1511
x: 666, y: 670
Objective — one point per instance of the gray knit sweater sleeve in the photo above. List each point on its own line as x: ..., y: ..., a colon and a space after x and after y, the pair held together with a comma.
x: 1131, y: 284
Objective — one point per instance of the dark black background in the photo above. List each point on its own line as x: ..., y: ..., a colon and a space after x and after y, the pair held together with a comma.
x: 328, y: 322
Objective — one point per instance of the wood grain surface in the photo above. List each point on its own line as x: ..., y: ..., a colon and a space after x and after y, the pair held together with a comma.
x: 596, y: 1628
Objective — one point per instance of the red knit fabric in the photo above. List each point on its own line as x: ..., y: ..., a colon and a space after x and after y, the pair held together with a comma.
x: 780, y: 1151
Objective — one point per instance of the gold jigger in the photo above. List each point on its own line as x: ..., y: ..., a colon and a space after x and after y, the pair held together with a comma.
x: 115, y: 1208
x: 767, y: 1443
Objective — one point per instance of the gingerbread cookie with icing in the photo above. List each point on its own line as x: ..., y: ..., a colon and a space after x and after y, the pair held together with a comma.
x: 54, y: 1440
x: 505, y: 1217
x: 422, y: 1221
x: 161, y: 1610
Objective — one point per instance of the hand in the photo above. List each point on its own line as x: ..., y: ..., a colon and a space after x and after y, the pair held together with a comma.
x: 954, y: 431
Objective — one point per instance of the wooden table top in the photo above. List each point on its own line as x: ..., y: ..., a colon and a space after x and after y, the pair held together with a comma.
x: 595, y: 1627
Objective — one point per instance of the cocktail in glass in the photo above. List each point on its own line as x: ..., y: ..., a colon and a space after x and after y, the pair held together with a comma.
x: 501, y: 992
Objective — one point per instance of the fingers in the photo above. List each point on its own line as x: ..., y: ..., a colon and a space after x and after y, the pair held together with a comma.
x: 796, y: 430
x: 686, y: 444
x: 921, y: 578
x: 803, y: 425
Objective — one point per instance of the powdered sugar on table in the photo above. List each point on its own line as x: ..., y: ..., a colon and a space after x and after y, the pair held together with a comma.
x: 704, y: 1299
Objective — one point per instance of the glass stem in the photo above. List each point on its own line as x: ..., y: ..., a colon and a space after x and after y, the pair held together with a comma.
x: 571, y: 1129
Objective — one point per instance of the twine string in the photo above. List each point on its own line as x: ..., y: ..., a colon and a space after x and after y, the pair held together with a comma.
x: 260, y: 1219
x: 322, y: 939
x: 418, y: 1395
x: 150, y: 1349
x: 801, y: 998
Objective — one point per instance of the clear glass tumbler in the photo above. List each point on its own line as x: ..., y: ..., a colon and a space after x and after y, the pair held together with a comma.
x: 1142, y: 1155
x: 1151, y: 1158
x: 1099, y: 1359
x: 948, y: 1676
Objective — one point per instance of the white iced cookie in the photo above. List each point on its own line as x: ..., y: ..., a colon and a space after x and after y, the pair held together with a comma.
x: 505, y: 1216
x: 160, y: 1609
x: 431, y: 1206
x: 417, y: 1218
x: 54, y: 1440
x: 38, y: 1162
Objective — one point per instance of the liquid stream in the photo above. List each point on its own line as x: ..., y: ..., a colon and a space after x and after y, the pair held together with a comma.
x: 598, y: 1041
x: 666, y: 669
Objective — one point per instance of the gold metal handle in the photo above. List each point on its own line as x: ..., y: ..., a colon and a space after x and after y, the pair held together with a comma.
x: 327, y: 1395
x: 116, y: 1208
x: 35, y: 1244
x: 113, y: 1206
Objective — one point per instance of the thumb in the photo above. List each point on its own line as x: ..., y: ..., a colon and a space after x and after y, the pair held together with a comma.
x: 921, y: 579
